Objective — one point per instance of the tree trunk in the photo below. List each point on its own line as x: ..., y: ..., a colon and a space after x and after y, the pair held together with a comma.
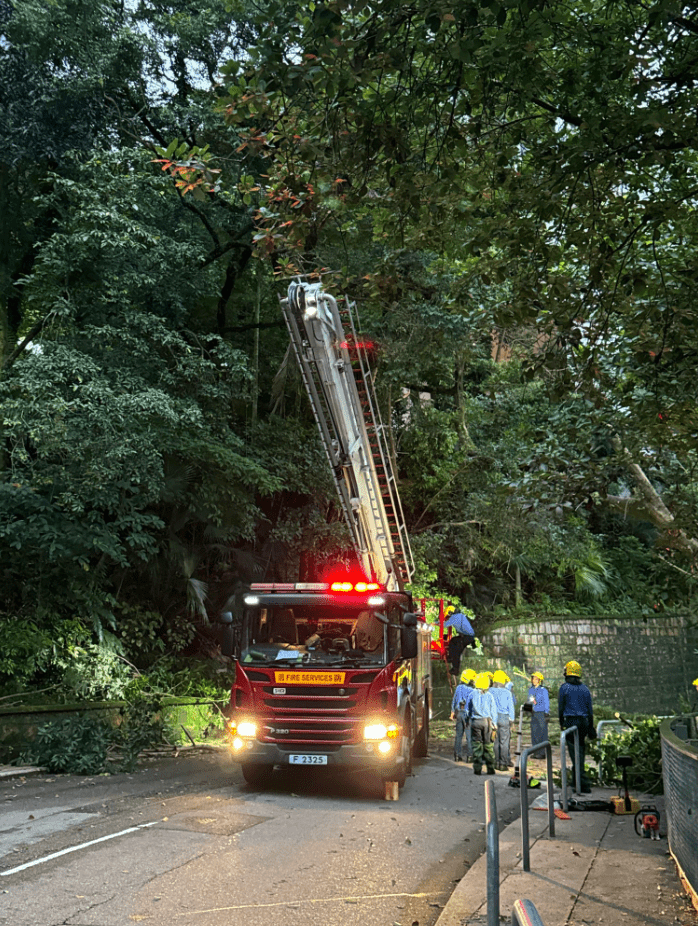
x: 648, y: 505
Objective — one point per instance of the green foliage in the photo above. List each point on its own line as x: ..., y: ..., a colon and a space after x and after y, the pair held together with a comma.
x: 643, y: 744
x: 77, y: 746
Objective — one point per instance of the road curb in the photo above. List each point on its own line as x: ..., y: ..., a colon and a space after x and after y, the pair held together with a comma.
x: 20, y: 771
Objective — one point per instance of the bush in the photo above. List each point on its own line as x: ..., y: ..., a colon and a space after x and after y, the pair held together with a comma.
x: 643, y: 744
x: 77, y: 745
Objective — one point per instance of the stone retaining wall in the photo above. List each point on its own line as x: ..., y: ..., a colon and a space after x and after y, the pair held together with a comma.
x: 634, y: 665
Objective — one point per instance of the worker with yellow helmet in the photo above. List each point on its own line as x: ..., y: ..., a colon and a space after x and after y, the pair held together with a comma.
x: 504, y: 700
x: 575, y: 710
x: 482, y: 711
x: 539, y: 703
x: 459, y: 711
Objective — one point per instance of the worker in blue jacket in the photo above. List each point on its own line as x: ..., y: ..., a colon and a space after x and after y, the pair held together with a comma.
x: 463, y: 636
x: 459, y: 712
x: 504, y: 700
x: 575, y: 709
x: 539, y: 703
x: 483, y: 717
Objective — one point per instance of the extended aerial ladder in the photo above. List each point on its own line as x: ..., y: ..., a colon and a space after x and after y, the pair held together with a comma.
x: 334, y: 364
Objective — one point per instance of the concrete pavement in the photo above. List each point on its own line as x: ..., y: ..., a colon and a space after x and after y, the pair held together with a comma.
x: 596, y: 870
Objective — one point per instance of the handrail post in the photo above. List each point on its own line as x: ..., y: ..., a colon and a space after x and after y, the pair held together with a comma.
x: 492, y: 855
x: 563, y: 764
x: 599, y: 736
x: 525, y: 851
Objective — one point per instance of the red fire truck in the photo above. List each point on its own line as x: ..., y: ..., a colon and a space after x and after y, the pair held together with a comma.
x: 336, y: 674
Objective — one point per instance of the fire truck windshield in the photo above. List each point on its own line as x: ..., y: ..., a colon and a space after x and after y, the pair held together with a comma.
x: 315, y: 635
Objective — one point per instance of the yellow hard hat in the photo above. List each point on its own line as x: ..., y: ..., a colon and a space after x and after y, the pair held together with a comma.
x: 538, y: 675
x: 449, y: 610
x: 500, y: 677
x: 482, y: 681
x: 695, y: 681
x: 467, y: 675
x: 573, y: 668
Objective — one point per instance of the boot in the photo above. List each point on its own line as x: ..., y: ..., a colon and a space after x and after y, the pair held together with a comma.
x: 490, y: 770
x: 477, y: 770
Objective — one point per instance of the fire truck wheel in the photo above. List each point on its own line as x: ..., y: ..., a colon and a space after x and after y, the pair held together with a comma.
x: 256, y: 773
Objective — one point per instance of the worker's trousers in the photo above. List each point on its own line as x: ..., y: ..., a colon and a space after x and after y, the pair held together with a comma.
x: 580, y: 723
x: 482, y: 744
x: 503, y: 742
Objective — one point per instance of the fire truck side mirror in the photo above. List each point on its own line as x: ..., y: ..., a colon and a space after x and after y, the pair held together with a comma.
x: 227, y: 635
x: 408, y: 636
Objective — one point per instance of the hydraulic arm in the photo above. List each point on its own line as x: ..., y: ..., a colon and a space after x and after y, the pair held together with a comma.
x: 339, y: 382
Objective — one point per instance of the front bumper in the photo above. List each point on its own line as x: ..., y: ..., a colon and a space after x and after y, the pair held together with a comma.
x: 361, y: 756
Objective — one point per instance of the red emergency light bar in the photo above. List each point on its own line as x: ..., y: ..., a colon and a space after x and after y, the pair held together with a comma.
x: 359, y: 587
x: 355, y: 587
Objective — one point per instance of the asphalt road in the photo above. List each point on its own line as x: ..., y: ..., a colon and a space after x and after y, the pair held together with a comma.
x: 187, y: 841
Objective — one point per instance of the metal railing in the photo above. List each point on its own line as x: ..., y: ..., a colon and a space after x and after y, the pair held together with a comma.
x: 680, y: 775
x: 578, y: 758
x: 525, y: 849
x: 599, y: 736
x: 524, y: 912
x: 492, y: 855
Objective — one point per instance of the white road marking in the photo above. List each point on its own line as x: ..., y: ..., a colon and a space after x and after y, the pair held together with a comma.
x: 83, y: 845
x: 311, y: 900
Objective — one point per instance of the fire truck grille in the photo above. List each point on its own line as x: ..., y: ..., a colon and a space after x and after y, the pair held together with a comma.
x: 313, y: 715
x: 292, y: 734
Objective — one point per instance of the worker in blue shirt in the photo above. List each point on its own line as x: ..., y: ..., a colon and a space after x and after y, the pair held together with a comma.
x: 505, y: 718
x: 459, y: 712
x: 483, y: 719
x: 539, y: 703
x: 575, y: 710
x: 464, y: 635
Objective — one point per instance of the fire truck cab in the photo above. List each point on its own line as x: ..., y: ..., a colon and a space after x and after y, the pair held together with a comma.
x: 330, y: 677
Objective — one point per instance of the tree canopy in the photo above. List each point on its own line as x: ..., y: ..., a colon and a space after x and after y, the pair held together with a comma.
x: 507, y: 189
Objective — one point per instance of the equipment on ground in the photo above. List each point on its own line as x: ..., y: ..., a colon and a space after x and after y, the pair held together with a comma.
x: 625, y: 804
x: 336, y: 673
x: 647, y: 822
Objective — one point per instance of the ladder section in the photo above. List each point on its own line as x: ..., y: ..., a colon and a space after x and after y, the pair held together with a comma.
x: 378, y: 444
x: 331, y: 437
x: 344, y: 418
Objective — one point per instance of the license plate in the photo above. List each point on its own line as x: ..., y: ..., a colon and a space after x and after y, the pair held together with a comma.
x: 309, y: 678
x: 307, y: 760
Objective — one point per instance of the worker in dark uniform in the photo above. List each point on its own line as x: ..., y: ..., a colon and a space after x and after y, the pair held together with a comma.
x: 575, y: 710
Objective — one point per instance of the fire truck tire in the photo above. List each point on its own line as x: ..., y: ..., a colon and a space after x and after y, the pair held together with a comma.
x: 256, y: 773
x: 421, y: 743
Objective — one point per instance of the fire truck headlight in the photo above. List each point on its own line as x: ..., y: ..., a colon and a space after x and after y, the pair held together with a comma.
x: 237, y: 743
x: 375, y: 731
x: 247, y: 728
x: 385, y: 746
